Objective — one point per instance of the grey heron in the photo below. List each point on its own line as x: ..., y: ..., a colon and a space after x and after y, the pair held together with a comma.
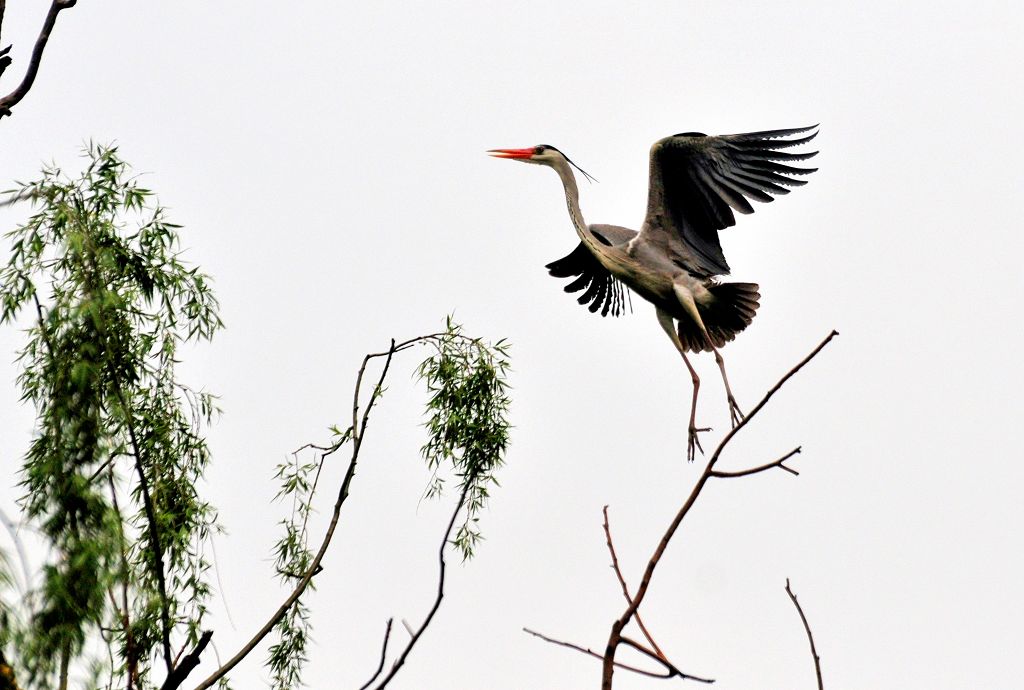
x: 696, y: 182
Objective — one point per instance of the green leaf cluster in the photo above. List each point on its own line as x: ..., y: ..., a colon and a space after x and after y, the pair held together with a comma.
x: 467, y: 421
x: 110, y: 479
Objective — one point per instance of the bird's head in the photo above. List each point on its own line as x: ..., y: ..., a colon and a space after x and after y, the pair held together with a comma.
x: 542, y: 154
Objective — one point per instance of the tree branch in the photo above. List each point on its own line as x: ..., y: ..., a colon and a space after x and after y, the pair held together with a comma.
x: 590, y: 652
x: 359, y: 424
x: 810, y: 637
x: 672, y: 670
x: 400, y: 661
x: 14, y: 97
x: 615, y: 636
x: 383, y: 656
x: 761, y: 468
x: 314, y: 566
x: 625, y: 588
x: 191, y: 660
x: 154, y: 534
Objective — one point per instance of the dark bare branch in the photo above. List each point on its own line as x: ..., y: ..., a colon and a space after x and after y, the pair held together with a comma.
x: 400, y: 661
x: 810, y: 637
x: 615, y: 636
x: 625, y: 587
x: 761, y: 468
x: 189, y: 662
x: 669, y: 667
x: 383, y: 656
x: 590, y: 652
x: 15, y: 96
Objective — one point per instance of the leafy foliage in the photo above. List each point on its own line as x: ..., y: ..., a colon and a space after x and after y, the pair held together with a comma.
x: 110, y: 477
x: 467, y: 421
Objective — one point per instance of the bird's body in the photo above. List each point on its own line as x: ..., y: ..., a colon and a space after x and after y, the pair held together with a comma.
x: 672, y: 262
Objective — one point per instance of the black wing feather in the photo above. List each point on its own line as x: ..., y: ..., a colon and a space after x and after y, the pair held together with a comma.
x: 603, y: 291
x: 703, y: 179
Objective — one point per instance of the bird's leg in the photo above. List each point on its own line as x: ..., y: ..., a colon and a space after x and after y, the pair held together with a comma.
x: 692, y: 442
x: 735, y: 413
x: 685, y: 298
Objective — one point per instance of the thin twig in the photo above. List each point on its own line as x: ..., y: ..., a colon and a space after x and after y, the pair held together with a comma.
x: 590, y: 652
x: 761, y: 468
x: 810, y: 637
x: 14, y: 97
x: 383, y: 656
x: 673, y: 671
x: 615, y: 636
x: 625, y: 587
x: 400, y: 661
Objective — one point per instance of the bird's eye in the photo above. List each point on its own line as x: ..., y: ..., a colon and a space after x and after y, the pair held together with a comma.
x: 539, y: 149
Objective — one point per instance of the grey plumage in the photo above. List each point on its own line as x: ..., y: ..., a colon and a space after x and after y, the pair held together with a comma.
x: 696, y: 184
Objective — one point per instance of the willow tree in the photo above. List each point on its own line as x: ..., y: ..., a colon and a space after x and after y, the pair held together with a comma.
x: 110, y: 479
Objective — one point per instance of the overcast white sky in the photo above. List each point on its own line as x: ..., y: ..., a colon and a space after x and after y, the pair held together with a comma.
x: 327, y: 162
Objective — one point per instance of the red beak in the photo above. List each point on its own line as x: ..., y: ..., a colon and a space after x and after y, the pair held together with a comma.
x: 511, y: 153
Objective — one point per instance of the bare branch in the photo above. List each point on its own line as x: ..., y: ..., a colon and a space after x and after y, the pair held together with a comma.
x: 673, y: 671
x: 625, y: 588
x: 810, y: 637
x: 761, y: 468
x: 400, y: 661
x: 590, y: 652
x: 14, y: 97
x: 767, y: 396
x: 383, y: 655
x: 615, y: 636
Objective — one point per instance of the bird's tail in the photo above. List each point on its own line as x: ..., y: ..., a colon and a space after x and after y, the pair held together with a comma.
x: 731, y: 310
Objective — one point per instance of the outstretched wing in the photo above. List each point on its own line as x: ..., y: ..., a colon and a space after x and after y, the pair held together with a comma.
x: 697, y: 181
x: 603, y: 291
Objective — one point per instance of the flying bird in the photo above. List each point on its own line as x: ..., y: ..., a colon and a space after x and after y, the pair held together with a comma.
x: 696, y: 182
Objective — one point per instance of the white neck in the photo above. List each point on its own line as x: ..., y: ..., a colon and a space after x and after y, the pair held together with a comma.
x: 572, y: 201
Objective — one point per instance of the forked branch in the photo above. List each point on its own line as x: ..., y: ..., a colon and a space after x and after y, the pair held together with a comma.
x: 415, y: 636
x: 670, y: 670
x: 625, y: 587
x: 615, y: 637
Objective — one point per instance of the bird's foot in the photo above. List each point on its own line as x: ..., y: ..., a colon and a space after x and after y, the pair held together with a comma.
x: 693, y: 443
x: 735, y: 413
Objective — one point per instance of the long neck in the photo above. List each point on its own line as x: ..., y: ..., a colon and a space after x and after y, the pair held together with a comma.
x: 572, y: 200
